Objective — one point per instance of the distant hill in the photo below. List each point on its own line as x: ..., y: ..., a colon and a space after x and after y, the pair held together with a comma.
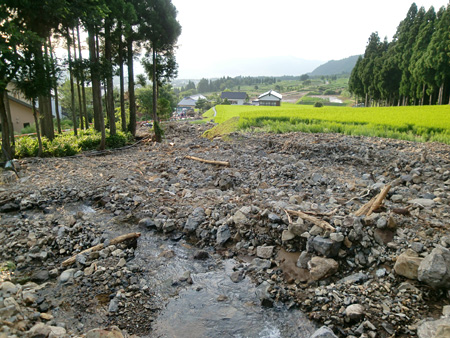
x: 334, y: 67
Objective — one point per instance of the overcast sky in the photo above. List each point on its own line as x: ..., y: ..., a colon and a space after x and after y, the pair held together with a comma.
x: 216, y: 33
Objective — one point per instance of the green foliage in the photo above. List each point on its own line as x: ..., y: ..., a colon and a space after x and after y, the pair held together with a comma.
x: 68, y: 145
x: 31, y: 129
x: 318, y: 104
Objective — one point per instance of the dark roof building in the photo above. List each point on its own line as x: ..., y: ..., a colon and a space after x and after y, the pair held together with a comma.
x: 234, y: 97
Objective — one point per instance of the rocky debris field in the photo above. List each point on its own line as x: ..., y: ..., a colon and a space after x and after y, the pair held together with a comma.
x: 382, y: 275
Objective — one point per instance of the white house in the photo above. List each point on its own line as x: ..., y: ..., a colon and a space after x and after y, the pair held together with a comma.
x: 270, y: 98
x: 189, y: 102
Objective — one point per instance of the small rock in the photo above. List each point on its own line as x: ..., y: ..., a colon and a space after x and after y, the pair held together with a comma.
x: 354, y: 312
x: 66, y: 276
x: 237, y: 276
x: 303, y: 259
x: 424, y: 202
x: 223, y: 234
x: 407, y: 264
x: 201, y: 255
x: 112, y: 332
x: 287, y: 236
x: 323, y: 332
x: 321, y: 268
x: 326, y: 246
x: 264, y: 252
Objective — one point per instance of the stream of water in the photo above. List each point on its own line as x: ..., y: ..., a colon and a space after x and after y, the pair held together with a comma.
x: 213, y: 305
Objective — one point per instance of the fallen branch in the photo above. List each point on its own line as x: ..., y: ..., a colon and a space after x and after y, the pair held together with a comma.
x: 368, y: 208
x: 320, y: 223
x: 227, y: 164
x: 379, y: 200
x: 100, y: 246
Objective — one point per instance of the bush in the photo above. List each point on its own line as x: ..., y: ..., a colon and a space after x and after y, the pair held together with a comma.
x: 31, y: 129
x: 318, y: 104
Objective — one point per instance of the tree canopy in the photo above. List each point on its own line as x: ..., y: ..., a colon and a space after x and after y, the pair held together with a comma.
x: 414, y: 68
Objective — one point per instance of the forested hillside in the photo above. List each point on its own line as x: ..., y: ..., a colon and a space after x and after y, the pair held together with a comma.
x: 336, y: 67
x: 412, y: 69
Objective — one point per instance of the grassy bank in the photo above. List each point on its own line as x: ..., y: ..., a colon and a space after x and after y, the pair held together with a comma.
x: 423, y: 124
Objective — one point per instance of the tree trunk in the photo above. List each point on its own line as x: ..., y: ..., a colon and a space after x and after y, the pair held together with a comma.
x: 72, y: 91
x: 109, y: 81
x: 122, y: 88
x: 6, y: 140
x: 157, y: 128
x: 96, y: 88
x: 10, y: 123
x: 441, y: 94
x: 423, y: 95
x: 55, y: 86
x: 366, y: 101
x: 83, y: 90
x: 36, y: 122
x: 77, y: 76
x: 46, y: 99
x: 131, y: 97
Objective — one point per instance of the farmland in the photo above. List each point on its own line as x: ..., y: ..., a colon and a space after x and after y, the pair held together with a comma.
x: 413, y: 123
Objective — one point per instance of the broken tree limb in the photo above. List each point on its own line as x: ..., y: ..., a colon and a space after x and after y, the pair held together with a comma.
x: 379, y: 200
x: 320, y: 223
x: 227, y: 164
x: 368, y: 208
x: 100, y: 246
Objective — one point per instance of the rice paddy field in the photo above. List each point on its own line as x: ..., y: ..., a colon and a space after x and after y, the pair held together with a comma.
x: 413, y: 123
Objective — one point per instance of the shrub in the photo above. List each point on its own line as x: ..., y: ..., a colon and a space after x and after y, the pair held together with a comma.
x: 318, y: 104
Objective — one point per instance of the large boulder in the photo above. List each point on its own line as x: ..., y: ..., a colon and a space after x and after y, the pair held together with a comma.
x: 434, y: 328
x: 407, y: 264
x: 434, y: 270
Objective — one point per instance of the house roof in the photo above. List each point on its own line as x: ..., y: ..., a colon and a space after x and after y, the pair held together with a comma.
x: 234, y: 95
x: 26, y: 104
x: 191, y: 100
x: 271, y: 92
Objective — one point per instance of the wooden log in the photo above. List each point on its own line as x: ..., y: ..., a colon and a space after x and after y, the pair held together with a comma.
x: 379, y: 200
x: 226, y: 164
x: 100, y: 246
x: 366, y: 207
x: 320, y: 223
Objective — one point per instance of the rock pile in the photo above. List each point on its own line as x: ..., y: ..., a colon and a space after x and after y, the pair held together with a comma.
x: 363, y: 276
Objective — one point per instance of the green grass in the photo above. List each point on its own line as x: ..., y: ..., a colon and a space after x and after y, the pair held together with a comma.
x: 423, y: 124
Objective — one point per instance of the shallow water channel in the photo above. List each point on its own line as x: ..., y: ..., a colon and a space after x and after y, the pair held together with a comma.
x: 213, y: 305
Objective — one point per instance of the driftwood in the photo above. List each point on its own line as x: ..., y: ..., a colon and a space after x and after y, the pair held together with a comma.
x: 320, y: 223
x: 226, y: 164
x: 368, y: 208
x: 100, y: 246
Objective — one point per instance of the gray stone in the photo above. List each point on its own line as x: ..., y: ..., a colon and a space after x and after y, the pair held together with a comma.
x: 287, y: 236
x: 298, y: 228
x: 354, y: 278
x: 274, y: 218
x: 303, y: 259
x: 323, y: 332
x: 66, y: 276
x: 9, y: 288
x: 113, y: 305
x: 264, y: 251
x: 407, y: 264
x: 417, y: 247
x: 424, y: 202
x: 240, y: 218
x: 326, y: 246
x: 147, y: 223
x: 223, y: 234
x: 195, y: 219
x: 40, y: 276
x: 237, y: 276
x: 434, y: 269
x: 337, y: 237
x: 112, y: 332
x: 261, y: 264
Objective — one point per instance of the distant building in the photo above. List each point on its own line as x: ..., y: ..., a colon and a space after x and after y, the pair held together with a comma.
x: 234, y: 97
x: 189, y: 102
x: 270, y: 98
